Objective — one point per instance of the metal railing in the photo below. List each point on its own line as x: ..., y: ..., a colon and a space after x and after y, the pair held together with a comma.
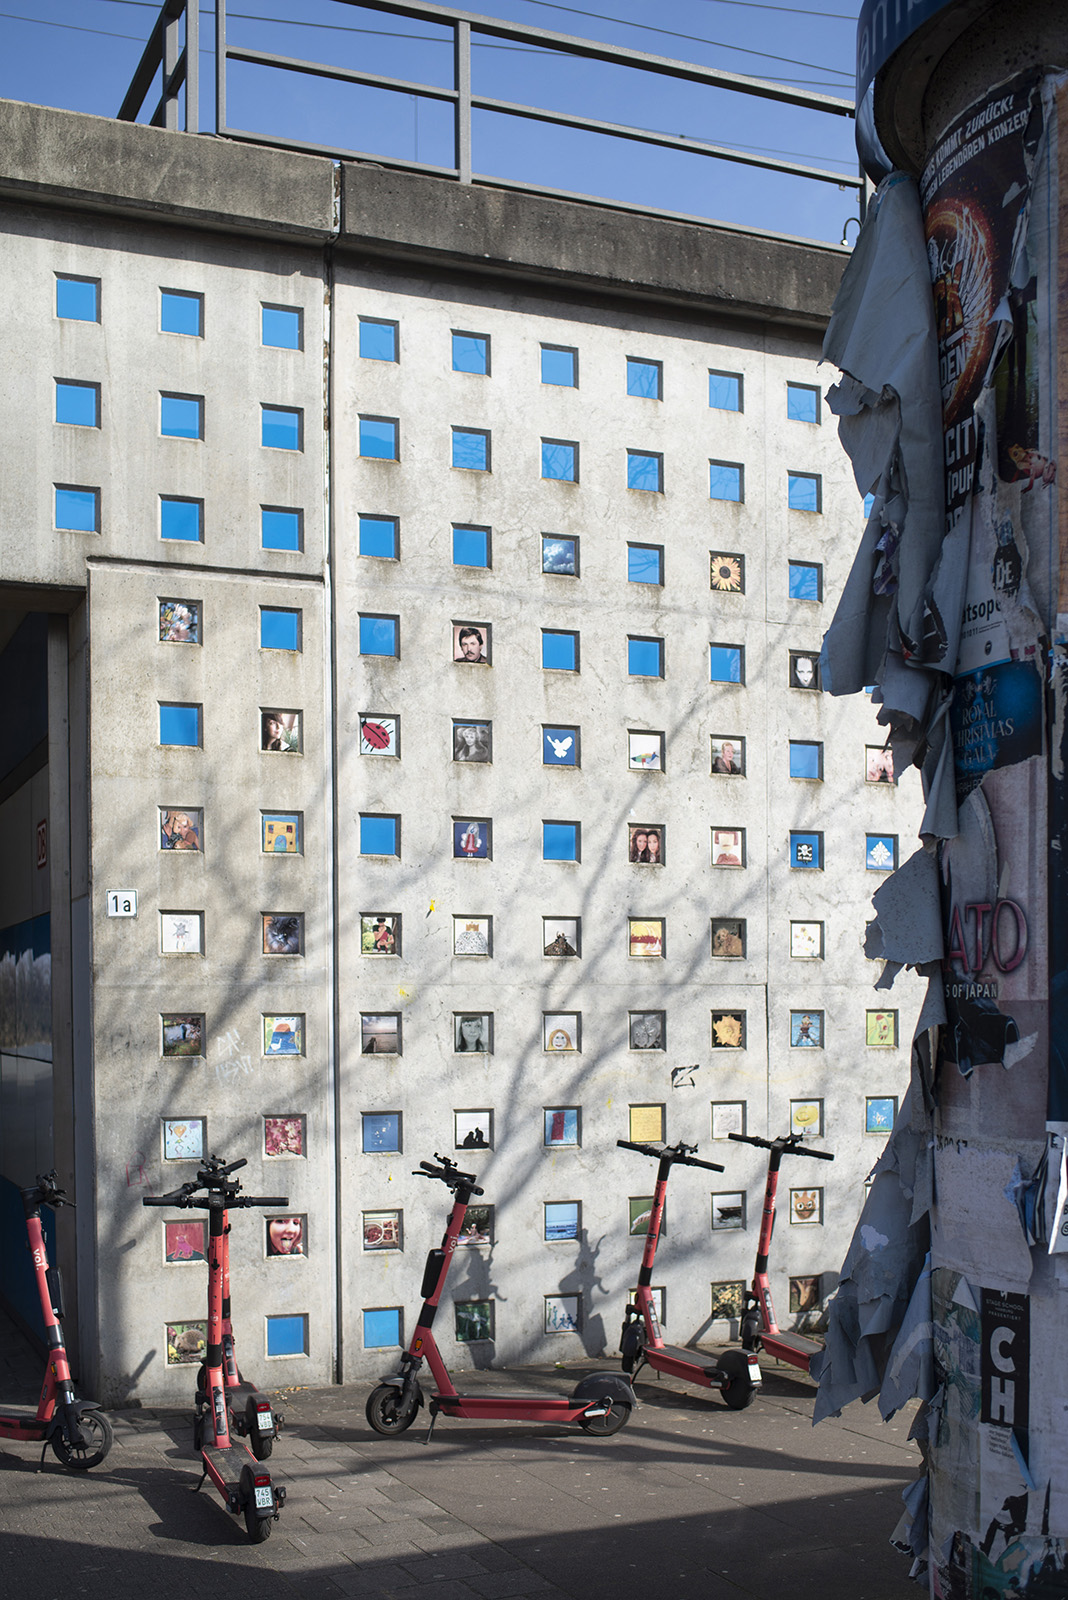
x: 179, y: 70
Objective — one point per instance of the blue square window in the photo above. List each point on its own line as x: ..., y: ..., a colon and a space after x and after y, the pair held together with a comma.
x: 181, y: 313
x: 806, y: 851
x: 380, y: 536
x: 559, y: 460
x: 78, y: 404
x: 806, y: 759
x: 78, y: 299
x: 802, y: 402
x: 179, y: 724
x: 470, y: 547
x: 560, y: 747
x: 471, y: 449
x: 279, y: 630
x: 806, y: 580
x: 381, y: 1329
x: 381, y: 1132
x: 645, y: 563
x: 287, y: 1336
x: 880, y: 852
x: 77, y: 510
x: 281, y: 428
x: 645, y: 471
x: 725, y: 391
x: 181, y: 416
x: 559, y: 366
x: 645, y: 658
x: 281, y: 529
x: 804, y: 491
x: 378, y: 339
x: 559, y: 651
x: 725, y: 481
x: 379, y: 835
x: 645, y: 379
x: 378, y: 636
x: 560, y: 841
x: 559, y: 556
x: 282, y: 327
x: 181, y: 519
x: 726, y: 663
x: 471, y: 353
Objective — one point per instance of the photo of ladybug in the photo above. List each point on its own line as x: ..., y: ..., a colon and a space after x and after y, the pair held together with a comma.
x: 379, y: 735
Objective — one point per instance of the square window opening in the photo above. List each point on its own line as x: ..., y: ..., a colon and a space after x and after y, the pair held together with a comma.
x: 181, y: 519
x: 379, y: 537
x: 280, y: 630
x: 645, y: 658
x: 471, y: 353
x: 804, y: 491
x: 725, y: 391
x: 281, y: 529
x: 181, y: 312
x: 645, y: 471
x: 77, y: 509
x: 282, y: 327
x: 559, y: 460
x: 181, y: 416
x: 559, y: 366
x: 559, y: 651
x: 379, y: 339
x: 78, y: 404
x: 726, y: 481
x: 470, y: 547
x: 78, y: 299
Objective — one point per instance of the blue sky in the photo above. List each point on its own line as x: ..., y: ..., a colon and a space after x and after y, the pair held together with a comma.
x: 81, y: 54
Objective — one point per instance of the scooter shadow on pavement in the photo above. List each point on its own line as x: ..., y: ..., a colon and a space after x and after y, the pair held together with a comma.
x: 194, y: 1520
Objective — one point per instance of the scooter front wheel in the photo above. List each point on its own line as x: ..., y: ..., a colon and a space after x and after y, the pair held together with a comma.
x: 387, y: 1410
x: 617, y: 1416
x: 96, y: 1430
x: 258, y: 1528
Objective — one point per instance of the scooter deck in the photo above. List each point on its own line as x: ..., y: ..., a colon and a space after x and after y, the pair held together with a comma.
x: 518, y: 1407
x: 673, y: 1357
x: 22, y: 1423
x: 795, y: 1343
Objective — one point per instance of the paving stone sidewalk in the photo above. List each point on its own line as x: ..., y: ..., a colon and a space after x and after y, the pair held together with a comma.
x: 690, y: 1500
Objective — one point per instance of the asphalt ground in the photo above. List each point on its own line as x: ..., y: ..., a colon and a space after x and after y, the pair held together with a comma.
x: 690, y: 1500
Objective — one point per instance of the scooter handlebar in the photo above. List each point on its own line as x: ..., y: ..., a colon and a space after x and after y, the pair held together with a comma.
x: 789, y: 1146
x: 449, y: 1173
x: 258, y: 1200
x: 674, y: 1152
x: 177, y: 1197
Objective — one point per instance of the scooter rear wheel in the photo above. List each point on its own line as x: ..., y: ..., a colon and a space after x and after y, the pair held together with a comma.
x: 738, y: 1389
x: 261, y: 1445
x: 387, y: 1411
x: 98, y: 1441
x: 616, y: 1417
x: 258, y: 1528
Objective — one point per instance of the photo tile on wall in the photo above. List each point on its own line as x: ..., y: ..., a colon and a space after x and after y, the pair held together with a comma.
x: 645, y: 1124
x: 471, y: 838
x: 182, y: 1034
x: 184, y: 1138
x: 804, y: 669
x: 561, y: 936
x: 478, y: 1226
x: 806, y: 1029
x: 559, y: 556
x: 727, y: 1300
x: 726, y: 572
x: 880, y: 852
x: 381, y: 1132
x: 645, y: 751
x: 473, y: 1130
x: 186, y: 1343
x: 281, y: 732
x: 641, y: 1210
x: 645, y: 937
x: 806, y: 941
x: 806, y: 1118
x: 472, y: 936
x: 806, y: 851
x: 181, y: 829
x: 473, y: 1321
x: 562, y: 1220
x: 559, y: 745
x: 562, y: 1313
x: 561, y: 1126
x: 879, y: 1113
x: 283, y: 1036
x: 472, y: 1032
x: 561, y: 1030
x: 283, y: 933
x: 728, y: 1030
x: 878, y: 764
x: 804, y: 1295
x: 472, y: 741
x: 472, y: 643
x: 380, y: 1033
x: 281, y: 833
x: 185, y: 1242
x: 728, y: 938
x: 383, y: 1230
x: 728, y: 847
x: 181, y: 933
x: 728, y: 755
x: 645, y: 844
x: 806, y: 1207
x: 179, y: 622
x: 728, y: 1116
x: 728, y: 1211
x: 880, y: 1030
x: 286, y: 1235
x: 647, y: 1030
x: 284, y: 1136
x: 380, y: 933
x: 379, y: 734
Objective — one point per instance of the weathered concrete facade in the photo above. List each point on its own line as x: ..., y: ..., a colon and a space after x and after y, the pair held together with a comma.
x: 141, y: 212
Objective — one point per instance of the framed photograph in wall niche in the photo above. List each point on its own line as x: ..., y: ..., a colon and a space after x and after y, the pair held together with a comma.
x: 727, y: 1300
x: 379, y: 734
x: 184, y: 1138
x: 472, y: 1032
x: 880, y: 1030
x: 728, y: 755
x: 281, y: 833
x: 641, y: 1209
x: 182, y: 1033
x: 561, y: 1220
x: 878, y: 764
x: 283, y: 1036
x: 284, y: 1136
x: 380, y: 1033
x: 728, y: 938
x: 472, y: 643
x: 561, y: 936
x: 472, y: 741
x: 185, y: 1242
x: 728, y: 1211
x: 472, y: 838
x: 806, y: 941
x: 380, y: 933
x: 645, y: 938
x: 804, y: 1295
x: 473, y: 1130
x: 645, y: 844
x: 806, y: 1207
x: 806, y: 1030
x: 645, y: 751
x: 383, y: 1230
x: 179, y: 622
x: 728, y: 1116
x: 728, y: 1030
x: 186, y: 1343
x: 472, y: 936
x: 646, y: 1030
x: 281, y: 732
x: 478, y: 1226
x: 562, y: 1313
x: 728, y: 847
x: 559, y: 556
x: 473, y: 1321
x: 181, y: 829
x: 561, y: 1127
x: 283, y: 933
x: 804, y: 669
x: 726, y: 572
x: 806, y: 1117
x: 181, y: 933
x: 879, y: 1113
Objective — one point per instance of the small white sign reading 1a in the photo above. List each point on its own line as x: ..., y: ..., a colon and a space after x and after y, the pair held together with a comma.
x: 122, y: 902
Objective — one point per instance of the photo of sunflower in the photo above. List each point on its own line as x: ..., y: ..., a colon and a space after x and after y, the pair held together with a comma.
x: 728, y: 573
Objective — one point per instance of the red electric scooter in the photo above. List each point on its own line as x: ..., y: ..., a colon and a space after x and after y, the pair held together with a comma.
x: 600, y: 1404
x: 735, y: 1374
x: 77, y: 1430
x: 760, y: 1331
x: 244, y: 1485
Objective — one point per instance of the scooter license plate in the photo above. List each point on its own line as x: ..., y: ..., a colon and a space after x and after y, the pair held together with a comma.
x: 265, y: 1421
x: 264, y: 1498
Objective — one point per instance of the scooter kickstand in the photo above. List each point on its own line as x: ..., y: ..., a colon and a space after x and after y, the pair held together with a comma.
x: 430, y: 1429
x: 198, y: 1486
